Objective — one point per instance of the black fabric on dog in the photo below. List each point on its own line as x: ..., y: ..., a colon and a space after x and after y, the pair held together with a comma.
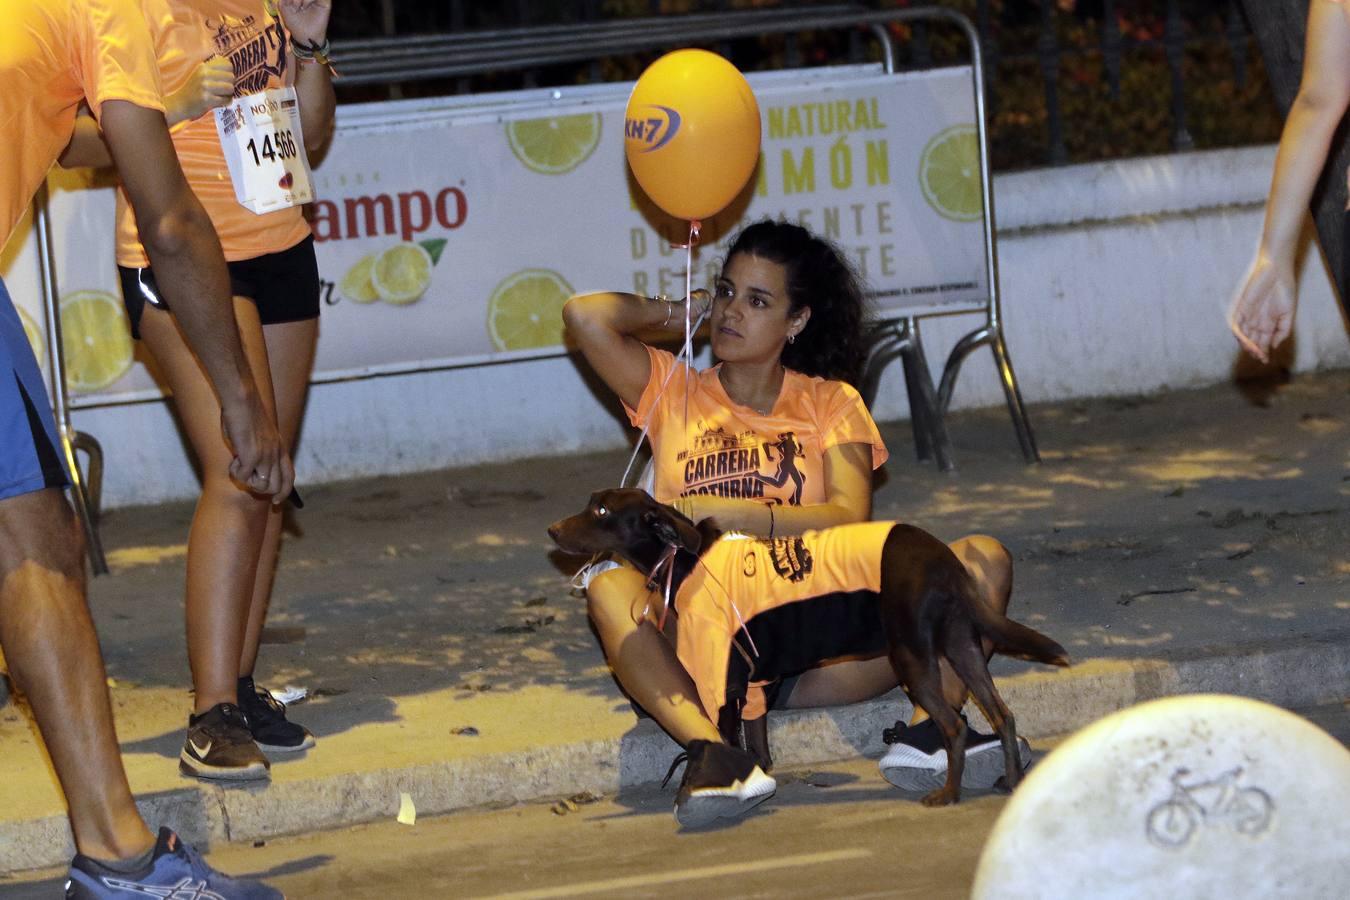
x: 805, y: 634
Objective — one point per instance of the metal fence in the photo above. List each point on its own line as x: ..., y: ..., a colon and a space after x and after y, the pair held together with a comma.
x: 1068, y: 80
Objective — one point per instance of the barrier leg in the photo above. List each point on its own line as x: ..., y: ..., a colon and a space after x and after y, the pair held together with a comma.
x: 1016, y: 409
x: 923, y: 401
x: 887, y: 346
x: 84, y: 492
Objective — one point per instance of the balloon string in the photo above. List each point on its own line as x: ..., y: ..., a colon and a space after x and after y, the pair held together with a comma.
x: 686, y: 353
x: 695, y: 226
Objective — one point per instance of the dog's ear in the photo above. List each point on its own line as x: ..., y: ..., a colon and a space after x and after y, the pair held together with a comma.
x: 673, y: 529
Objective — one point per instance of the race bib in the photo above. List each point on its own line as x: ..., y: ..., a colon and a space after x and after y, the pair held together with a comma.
x: 265, y: 150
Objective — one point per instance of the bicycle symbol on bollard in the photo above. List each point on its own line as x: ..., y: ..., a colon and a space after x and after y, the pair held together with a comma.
x: 1172, y: 822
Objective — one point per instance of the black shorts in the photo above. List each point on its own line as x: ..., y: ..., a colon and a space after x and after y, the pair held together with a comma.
x: 284, y: 286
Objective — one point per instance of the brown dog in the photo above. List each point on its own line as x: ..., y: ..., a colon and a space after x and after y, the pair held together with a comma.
x: 918, y: 604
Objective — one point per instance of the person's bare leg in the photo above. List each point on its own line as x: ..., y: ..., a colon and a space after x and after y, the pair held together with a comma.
x: 229, y: 524
x: 290, y: 354
x: 643, y: 659
x: 49, y: 644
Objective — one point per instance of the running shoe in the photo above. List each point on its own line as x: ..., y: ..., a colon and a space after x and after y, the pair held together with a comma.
x: 720, y: 782
x: 917, y: 760
x: 175, y: 870
x: 267, y: 721
x: 220, y: 746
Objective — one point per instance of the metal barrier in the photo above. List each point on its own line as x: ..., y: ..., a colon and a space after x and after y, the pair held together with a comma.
x: 422, y: 57
x: 896, y: 333
x: 83, y: 490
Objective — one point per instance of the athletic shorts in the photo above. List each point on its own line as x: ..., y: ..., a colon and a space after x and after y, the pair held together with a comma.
x: 29, y: 460
x: 283, y: 285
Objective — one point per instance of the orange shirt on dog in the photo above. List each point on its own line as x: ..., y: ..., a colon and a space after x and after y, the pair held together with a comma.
x: 187, y: 33
x: 741, y: 577
x: 734, y: 451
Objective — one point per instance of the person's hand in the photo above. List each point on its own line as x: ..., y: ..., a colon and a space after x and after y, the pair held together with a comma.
x: 1262, y: 314
x: 306, y: 20
x: 211, y: 85
x: 700, y: 303
x: 261, y: 465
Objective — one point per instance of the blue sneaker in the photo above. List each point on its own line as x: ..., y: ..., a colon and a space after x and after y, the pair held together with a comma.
x: 176, y: 871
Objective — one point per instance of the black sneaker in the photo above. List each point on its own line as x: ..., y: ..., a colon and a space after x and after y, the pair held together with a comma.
x: 917, y: 760
x: 219, y: 746
x: 720, y: 782
x: 267, y: 721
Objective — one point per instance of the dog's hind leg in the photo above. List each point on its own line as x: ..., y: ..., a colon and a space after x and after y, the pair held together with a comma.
x: 922, y: 683
x: 967, y: 657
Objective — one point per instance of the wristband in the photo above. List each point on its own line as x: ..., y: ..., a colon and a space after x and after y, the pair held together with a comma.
x: 314, y: 53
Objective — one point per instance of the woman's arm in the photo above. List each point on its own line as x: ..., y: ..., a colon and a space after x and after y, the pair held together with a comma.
x: 307, y: 23
x: 605, y: 327
x: 848, y: 492
x: 211, y: 85
x: 1263, y: 311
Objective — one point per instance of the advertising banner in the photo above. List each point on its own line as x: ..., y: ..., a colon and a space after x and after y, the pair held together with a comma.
x: 450, y: 232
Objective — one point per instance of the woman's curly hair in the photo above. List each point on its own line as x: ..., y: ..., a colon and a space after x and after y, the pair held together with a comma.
x: 832, y: 344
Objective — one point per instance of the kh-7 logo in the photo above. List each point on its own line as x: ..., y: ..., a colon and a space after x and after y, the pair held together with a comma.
x: 655, y: 130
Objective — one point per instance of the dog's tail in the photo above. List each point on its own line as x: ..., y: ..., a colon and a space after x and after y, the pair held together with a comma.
x: 1015, y: 639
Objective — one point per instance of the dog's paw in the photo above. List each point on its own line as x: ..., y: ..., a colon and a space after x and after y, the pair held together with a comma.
x: 942, y: 797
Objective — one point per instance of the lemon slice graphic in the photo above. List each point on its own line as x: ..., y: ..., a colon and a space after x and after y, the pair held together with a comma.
x: 555, y: 145
x: 401, y: 274
x: 356, y: 284
x: 525, y: 310
x: 949, y: 173
x: 95, y: 339
x: 36, y: 339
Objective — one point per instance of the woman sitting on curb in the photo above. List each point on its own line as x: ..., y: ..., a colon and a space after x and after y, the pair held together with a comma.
x: 787, y: 322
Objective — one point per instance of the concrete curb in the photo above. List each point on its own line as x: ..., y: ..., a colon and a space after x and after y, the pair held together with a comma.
x: 1303, y: 673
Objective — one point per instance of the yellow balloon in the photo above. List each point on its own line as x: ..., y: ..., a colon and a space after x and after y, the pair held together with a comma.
x: 691, y: 133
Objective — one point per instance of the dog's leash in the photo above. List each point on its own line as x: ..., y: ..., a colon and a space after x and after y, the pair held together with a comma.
x: 731, y: 601
x: 667, y: 562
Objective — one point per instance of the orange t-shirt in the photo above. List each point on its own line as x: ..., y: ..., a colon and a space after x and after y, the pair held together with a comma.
x: 54, y: 54
x: 187, y: 33
x: 740, y: 577
x: 734, y: 451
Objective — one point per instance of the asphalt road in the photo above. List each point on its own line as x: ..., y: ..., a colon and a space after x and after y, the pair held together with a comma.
x: 837, y: 831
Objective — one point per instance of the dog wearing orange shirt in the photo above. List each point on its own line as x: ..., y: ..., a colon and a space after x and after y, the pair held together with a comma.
x: 923, y: 609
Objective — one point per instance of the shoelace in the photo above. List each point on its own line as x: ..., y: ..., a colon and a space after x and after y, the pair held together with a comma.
x: 270, y: 704
x: 674, y: 764
x: 231, y: 717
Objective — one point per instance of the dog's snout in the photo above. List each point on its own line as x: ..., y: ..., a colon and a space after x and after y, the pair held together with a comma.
x: 554, y: 530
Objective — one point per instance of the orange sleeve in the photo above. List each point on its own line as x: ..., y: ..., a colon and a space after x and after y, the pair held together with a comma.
x: 847, y: 421
x: 116, y: 54
x: 648, y: 408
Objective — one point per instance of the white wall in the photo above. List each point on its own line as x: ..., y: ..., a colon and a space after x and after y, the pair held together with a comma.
x: 1114, y: 280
